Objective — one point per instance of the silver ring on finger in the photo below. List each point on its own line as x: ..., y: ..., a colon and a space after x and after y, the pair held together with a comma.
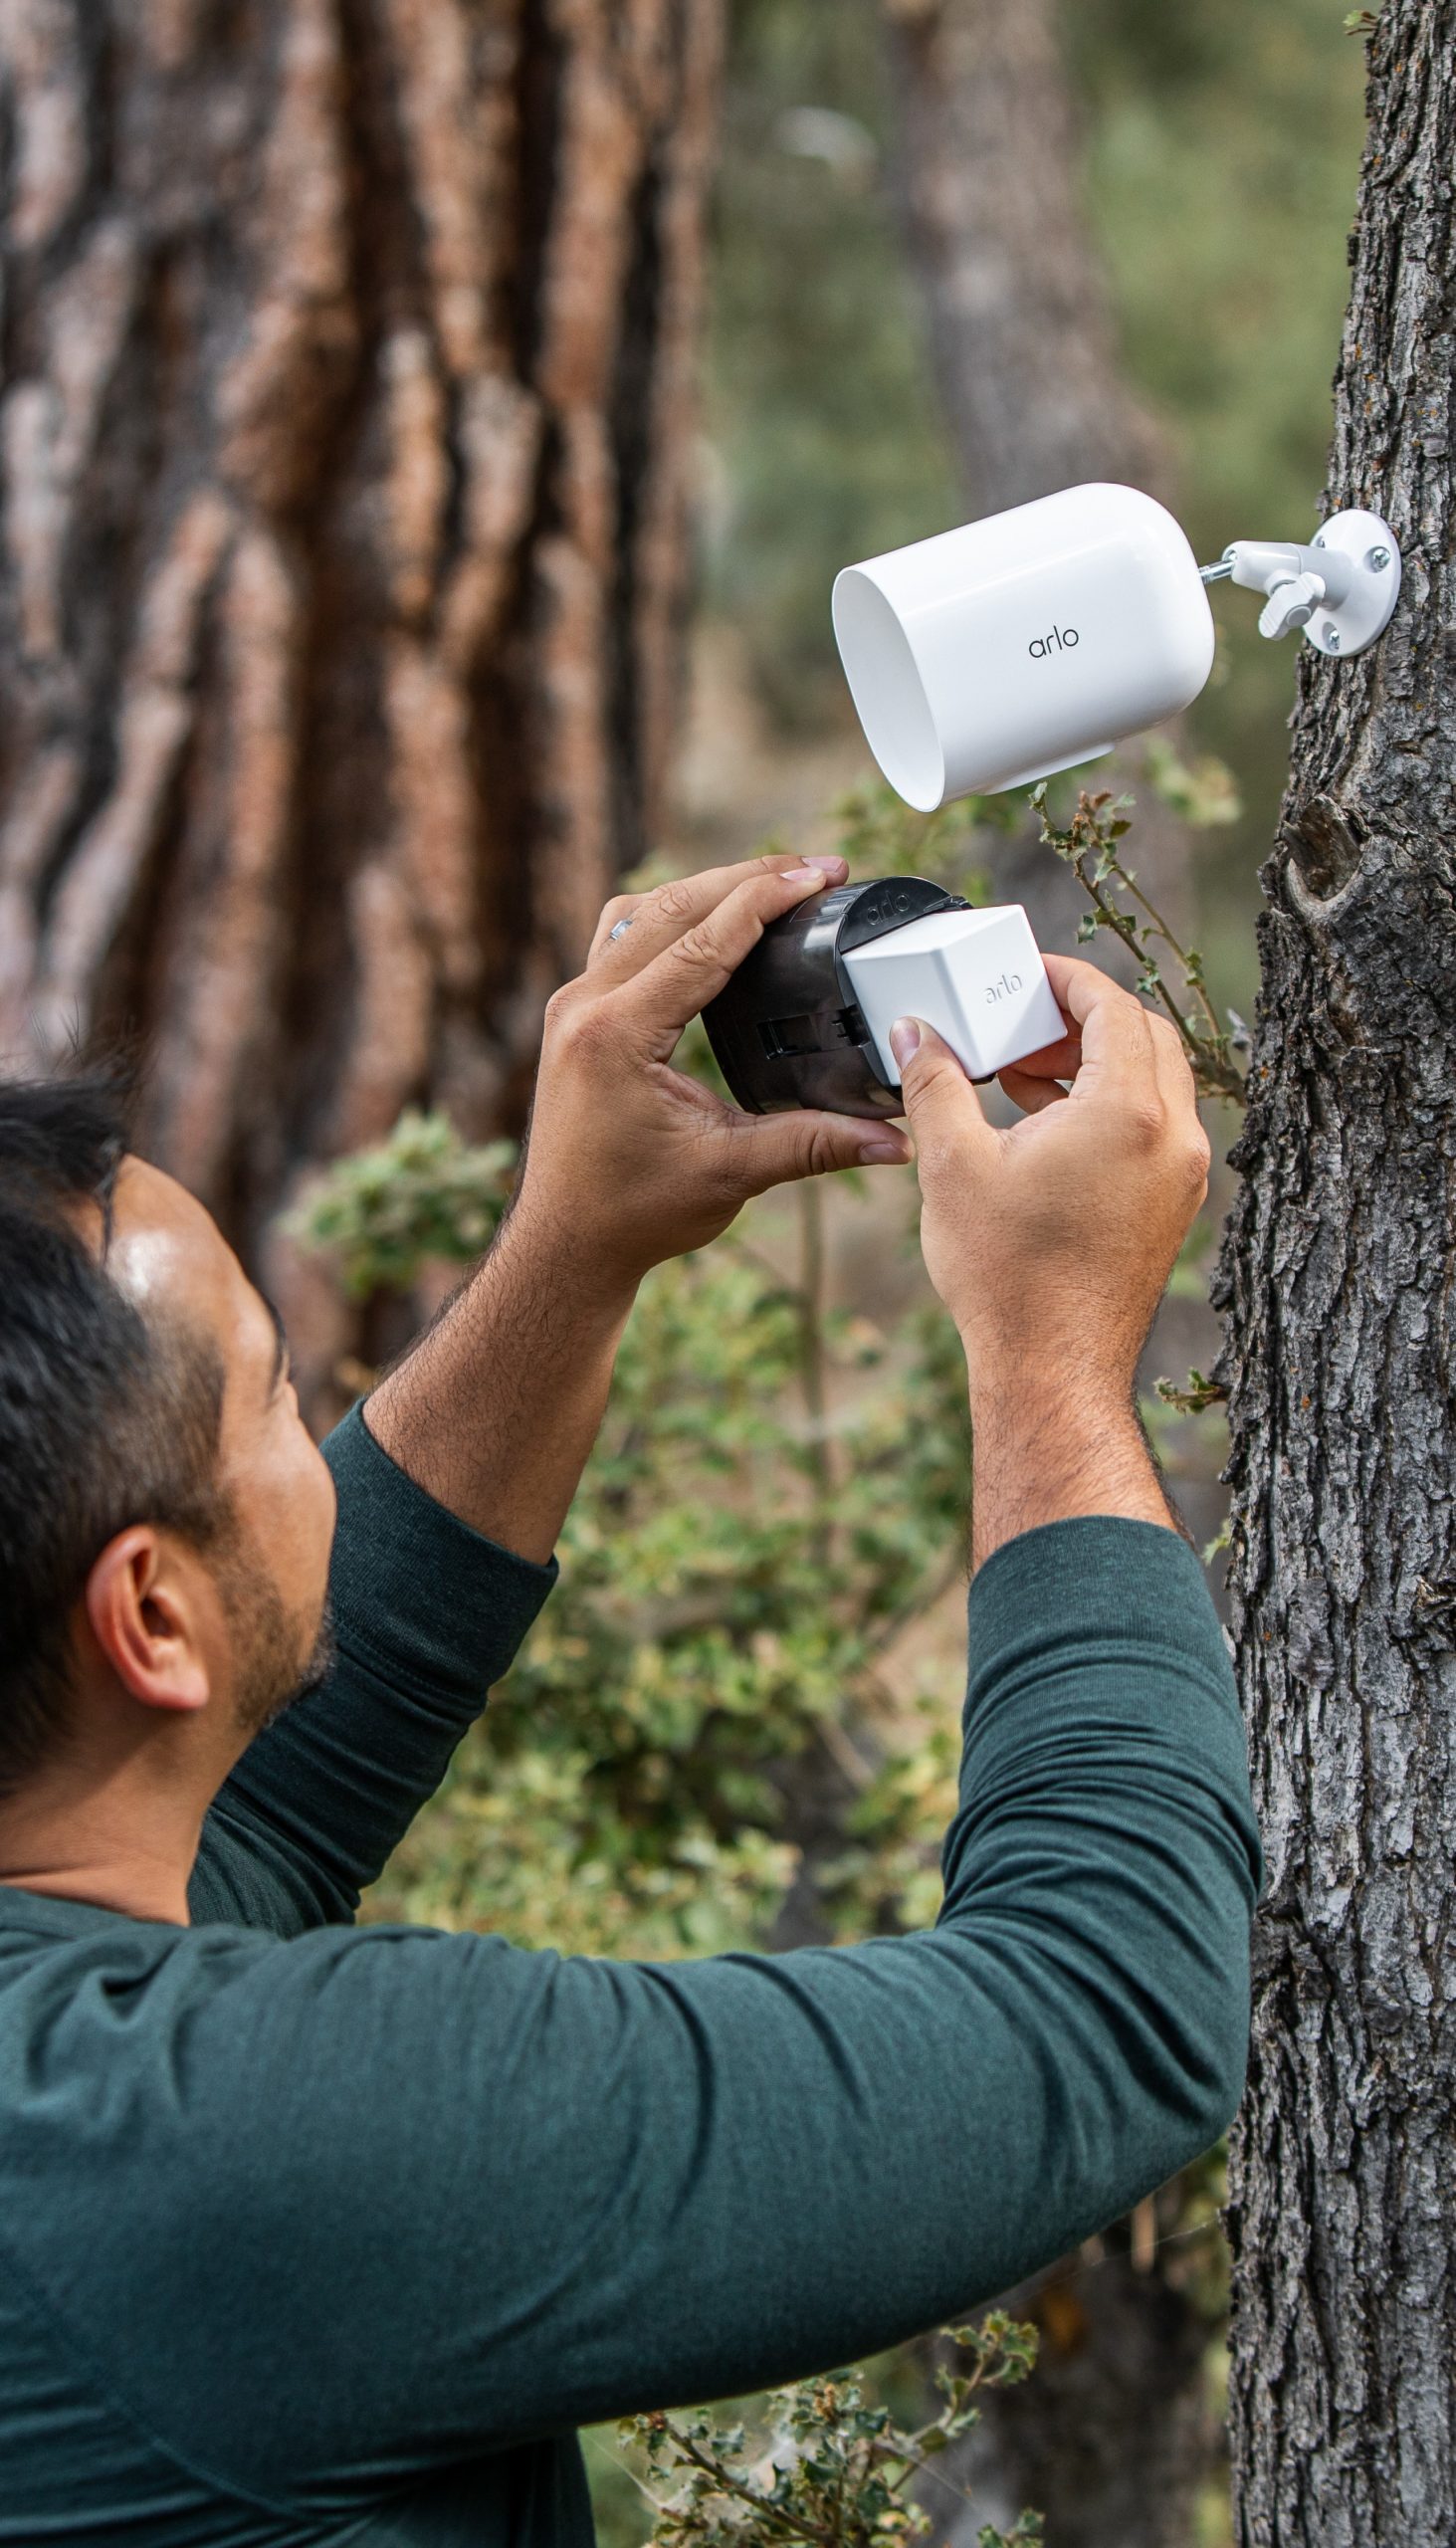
x: 621, y: 929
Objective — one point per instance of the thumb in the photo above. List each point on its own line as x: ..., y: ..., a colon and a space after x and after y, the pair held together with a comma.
x: 778, y: 1150
x: 941, y: 1103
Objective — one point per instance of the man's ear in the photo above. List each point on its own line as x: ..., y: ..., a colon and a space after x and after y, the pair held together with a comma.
x: 145, y: 1608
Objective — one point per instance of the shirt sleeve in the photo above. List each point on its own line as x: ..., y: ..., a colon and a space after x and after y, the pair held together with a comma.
x: 427, y: 1617
x: 484, y: 2195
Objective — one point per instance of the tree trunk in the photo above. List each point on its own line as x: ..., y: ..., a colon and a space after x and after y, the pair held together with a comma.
x: 348, y: 352
x: 1337, y: 1278
x: 1106, y: 2476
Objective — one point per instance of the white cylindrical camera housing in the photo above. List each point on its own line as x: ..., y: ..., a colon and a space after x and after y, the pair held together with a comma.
x: 993, y: 655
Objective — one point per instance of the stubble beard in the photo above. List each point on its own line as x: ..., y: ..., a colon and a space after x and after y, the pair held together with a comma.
x: 280, y: 1657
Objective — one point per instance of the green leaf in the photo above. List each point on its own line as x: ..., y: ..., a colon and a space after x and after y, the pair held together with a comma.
x: 1192, y: 1398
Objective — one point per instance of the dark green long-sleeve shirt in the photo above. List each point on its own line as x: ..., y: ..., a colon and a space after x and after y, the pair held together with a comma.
x: 316, y: 2234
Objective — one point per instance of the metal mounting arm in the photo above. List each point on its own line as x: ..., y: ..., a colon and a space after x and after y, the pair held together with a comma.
x: 1340, y: 589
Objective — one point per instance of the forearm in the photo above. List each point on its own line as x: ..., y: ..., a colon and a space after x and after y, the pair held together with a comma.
x: 772, y: 2163
x: 1054, y: 1444
x: 1051, y: 1245
x: 495, y: 1410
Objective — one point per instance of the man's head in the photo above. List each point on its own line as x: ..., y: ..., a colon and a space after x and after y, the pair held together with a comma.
x: 165, y: 1518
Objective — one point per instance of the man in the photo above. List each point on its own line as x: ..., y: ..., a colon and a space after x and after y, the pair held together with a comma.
x: 311, y: 2233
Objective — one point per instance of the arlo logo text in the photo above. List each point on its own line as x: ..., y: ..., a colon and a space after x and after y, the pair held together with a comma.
x: 1002, y: 989
x: 1058, y: 642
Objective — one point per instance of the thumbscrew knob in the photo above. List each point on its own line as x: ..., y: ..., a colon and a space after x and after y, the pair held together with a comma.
x: 1291, y: 605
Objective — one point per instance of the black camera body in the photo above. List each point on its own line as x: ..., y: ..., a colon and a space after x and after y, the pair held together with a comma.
x: 788, y: 1031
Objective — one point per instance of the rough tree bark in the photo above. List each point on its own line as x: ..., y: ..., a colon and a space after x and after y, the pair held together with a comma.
x: 1342, y: 1360
x: 1114, y: 2438
x: 348, y: 351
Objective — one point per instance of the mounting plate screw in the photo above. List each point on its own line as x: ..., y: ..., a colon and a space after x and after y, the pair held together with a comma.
x: 1378, y: 559
x: 1331, y: 635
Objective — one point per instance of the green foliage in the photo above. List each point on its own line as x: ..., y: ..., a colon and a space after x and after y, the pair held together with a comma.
x: 881, y: 835
x: 382, y: 1214
x: 1203, y: 793
x: 778, y: 1491
x: 826, y: 2463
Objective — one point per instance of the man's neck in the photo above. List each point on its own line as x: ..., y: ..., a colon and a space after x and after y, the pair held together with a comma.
x: 140, y: 1893
x: 135, y: 1860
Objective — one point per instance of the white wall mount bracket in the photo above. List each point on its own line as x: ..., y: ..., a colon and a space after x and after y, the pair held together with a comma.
x: 1341, y: 588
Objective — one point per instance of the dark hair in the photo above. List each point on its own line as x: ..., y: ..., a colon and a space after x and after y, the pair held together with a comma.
x: 106, y: 1417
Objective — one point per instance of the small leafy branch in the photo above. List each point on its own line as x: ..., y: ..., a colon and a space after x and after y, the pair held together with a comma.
x: 1090, y: 845
x: 1199, y: 1394
x: 832, y: 2469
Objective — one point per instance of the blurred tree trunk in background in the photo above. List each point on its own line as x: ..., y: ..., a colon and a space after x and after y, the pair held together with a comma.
x: 1342, y: 1360
x: 348, y: 414
x: 1113, y: 2441
x: 989, y: 176
x: 1106, y: 2474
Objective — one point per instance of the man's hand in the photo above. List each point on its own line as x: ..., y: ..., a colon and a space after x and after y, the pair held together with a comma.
x: 629, y: 1162
x: 1051, y: 1245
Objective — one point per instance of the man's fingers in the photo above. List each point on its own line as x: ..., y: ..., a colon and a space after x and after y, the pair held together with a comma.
x: 1171, y: 1062
x: 646, y: 924
x: 1114, y: 1027
x: 1180, y: 1096
x: 777, y: 1149
x: 1062, y: 1060
x: 695, y: 966
x: 941, y: 1103
x: 1031, y: 1093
